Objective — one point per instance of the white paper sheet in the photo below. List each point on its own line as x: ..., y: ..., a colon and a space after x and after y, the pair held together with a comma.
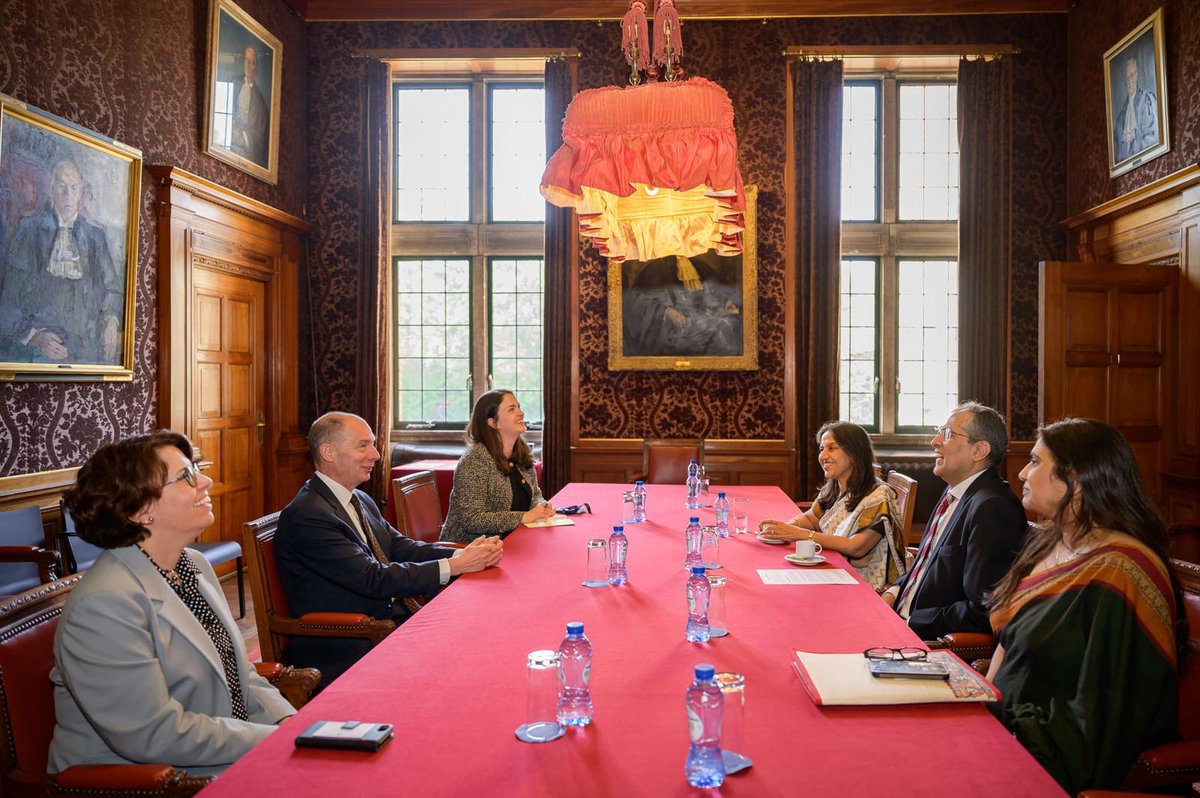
x: 554, y: 520
x: 806, y: 576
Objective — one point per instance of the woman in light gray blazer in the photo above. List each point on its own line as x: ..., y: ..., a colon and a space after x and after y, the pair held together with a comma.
x: 495, y: 486
x: 149, y: 664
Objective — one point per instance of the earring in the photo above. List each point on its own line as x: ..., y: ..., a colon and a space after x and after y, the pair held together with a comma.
x: 149, y: 519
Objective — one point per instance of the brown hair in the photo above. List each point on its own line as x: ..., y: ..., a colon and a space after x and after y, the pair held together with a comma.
x: 115, y: 483
x: 479, y: 431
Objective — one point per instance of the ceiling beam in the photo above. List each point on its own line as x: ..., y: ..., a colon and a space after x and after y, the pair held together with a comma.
x: 497, y: 10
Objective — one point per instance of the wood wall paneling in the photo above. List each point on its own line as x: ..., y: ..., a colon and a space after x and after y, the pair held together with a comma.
x: 1158, y: 223
x: 229, y: 341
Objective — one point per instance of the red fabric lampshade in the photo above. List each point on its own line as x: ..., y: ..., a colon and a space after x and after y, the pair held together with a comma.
x: 651, y: 170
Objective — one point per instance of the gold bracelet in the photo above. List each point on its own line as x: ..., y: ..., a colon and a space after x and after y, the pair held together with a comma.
x: 812, y: 535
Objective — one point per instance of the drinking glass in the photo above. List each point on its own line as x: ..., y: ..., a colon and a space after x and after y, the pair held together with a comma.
x: 718, y: 623
x: 628, y: 508
x: 703, y: 477
x: 733, y: 725
x: 597, y: 563
x: 741, y: 515
x: 710, y: 548
x: 541, y: 708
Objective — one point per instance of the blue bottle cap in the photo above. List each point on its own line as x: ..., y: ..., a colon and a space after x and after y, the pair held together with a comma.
x: 575, y: 628
x: 705, y: 673
x: 639, y: 484
x: 619, y: 528
x: 697, y: 570
x: 693, y: 461
x: 720, y: 494
x: 695, y: 519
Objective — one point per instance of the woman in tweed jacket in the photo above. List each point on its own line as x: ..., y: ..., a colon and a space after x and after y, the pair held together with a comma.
x: 495, y: 487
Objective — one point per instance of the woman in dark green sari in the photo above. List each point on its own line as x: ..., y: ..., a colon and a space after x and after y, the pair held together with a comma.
x: 1088, y: 618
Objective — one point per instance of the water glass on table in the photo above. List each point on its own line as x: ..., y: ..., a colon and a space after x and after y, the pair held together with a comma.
x: 541, y: 725
x: 628, y: 508
x: 597, y: 563
x: 733, y: 690
x: 718, y: 623
x: 741, y: 515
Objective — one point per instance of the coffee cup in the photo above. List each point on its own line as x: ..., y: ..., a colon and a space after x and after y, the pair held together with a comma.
x: 807, y: 549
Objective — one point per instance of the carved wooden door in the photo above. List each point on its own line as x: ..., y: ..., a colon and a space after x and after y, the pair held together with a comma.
x: 229, y: 379
x: 1105, y: 350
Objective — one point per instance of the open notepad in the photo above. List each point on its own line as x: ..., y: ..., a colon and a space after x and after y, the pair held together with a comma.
x: 843, y: 679
x: 555, y: 520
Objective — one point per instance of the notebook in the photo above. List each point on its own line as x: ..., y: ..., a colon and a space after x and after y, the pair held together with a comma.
x: 845, y: 679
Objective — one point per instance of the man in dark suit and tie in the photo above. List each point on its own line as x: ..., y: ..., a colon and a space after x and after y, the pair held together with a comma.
x: 336, y: 553
x: 973, y: 536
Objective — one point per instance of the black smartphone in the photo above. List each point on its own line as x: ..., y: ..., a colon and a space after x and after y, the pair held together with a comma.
x: 909, y: 669
x: 350, y: 735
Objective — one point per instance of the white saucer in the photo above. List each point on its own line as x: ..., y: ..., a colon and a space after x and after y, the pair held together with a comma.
x: 796, y: 559
x: 770, y: 541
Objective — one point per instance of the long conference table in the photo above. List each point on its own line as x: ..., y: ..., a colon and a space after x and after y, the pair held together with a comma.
x: 453, y: 681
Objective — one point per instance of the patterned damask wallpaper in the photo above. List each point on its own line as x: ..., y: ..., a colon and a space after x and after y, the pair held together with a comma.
x: 133, y: 71
x: 744, y: 57
x: 1095, y: 26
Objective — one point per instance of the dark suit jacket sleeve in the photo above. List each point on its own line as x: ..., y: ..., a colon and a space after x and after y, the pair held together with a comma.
x: 995, y: 528
x: 319, y: 540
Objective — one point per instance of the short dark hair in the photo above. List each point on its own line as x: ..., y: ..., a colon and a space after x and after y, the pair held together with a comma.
x: 115, y: 483
x: 986, y: 424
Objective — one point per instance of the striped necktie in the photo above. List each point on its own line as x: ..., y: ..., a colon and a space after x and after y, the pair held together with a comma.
x: 372, y: 541
x: 910, y: 585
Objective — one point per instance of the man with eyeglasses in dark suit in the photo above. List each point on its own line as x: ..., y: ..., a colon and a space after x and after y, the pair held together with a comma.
x: 973, y: 535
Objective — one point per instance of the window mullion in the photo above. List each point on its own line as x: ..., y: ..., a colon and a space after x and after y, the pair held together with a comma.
x: 480, y: 357
x: 889, y: 314
x: 891, y: 149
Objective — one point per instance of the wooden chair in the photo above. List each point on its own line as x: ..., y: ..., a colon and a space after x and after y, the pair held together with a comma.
x: 1183, y: 538
x: 418, y: 509
x: 25, y: 559
x: 274, y: 620
x: 906, y: 502
x: 665, y: 461
x: 1177, y: 765
x: 27, y: 626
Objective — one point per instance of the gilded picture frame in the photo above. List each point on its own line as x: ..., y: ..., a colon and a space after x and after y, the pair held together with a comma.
x: 687, y: 314
x: 1135, y: 94
x: 242, y: 92
x: 69, y: 213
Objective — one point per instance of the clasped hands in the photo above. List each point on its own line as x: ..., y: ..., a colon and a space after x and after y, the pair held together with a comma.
x: 480, y: 553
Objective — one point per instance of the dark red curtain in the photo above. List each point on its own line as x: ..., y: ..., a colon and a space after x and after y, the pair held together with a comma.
x: 374, y: 340
x: 984, y: 229
x: 817, y: 130
x: 561, y: 247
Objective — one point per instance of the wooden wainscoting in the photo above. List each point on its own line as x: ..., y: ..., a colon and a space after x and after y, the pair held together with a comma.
x: 727, y: 462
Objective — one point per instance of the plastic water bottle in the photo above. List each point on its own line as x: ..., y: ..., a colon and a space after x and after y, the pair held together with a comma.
x: 721, y: 506
x: 698, y: 588
x: 693, y: 535
x: 693, y: 487
x: 574, y: 671
x: 705, y: 705
x: 618, y: 547
x: 639, y: 501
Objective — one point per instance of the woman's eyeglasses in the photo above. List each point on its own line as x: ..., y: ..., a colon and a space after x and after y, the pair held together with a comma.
x: 908, y: 654
x: 191, y: 473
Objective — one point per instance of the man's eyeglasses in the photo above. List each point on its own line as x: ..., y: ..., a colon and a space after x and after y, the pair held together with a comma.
x: 908, y: 654
x: 191, y: 473
x: 947, y: 434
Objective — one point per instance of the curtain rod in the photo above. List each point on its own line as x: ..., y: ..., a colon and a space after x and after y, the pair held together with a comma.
x: 899, y: 51
x: 496, y: 55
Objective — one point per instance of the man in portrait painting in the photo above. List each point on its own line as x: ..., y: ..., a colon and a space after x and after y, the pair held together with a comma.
x: 1135, y: 126
x: 61, y: 296
x: 677, y: 306
x: 250, y: 115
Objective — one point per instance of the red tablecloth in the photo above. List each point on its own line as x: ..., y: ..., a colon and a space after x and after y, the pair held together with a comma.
x: 443, y: 474
x: 452, y: 680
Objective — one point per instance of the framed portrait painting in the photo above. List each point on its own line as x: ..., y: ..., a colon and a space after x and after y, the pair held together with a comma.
x: 687, y: 314
x: 1135, y: 93
x: 245, y: 67
x: 69, y: 204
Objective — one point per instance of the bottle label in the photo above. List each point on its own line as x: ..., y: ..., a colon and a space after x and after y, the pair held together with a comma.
x: 691, y: 603
x: 587, y: 673
x: 695, y: 726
